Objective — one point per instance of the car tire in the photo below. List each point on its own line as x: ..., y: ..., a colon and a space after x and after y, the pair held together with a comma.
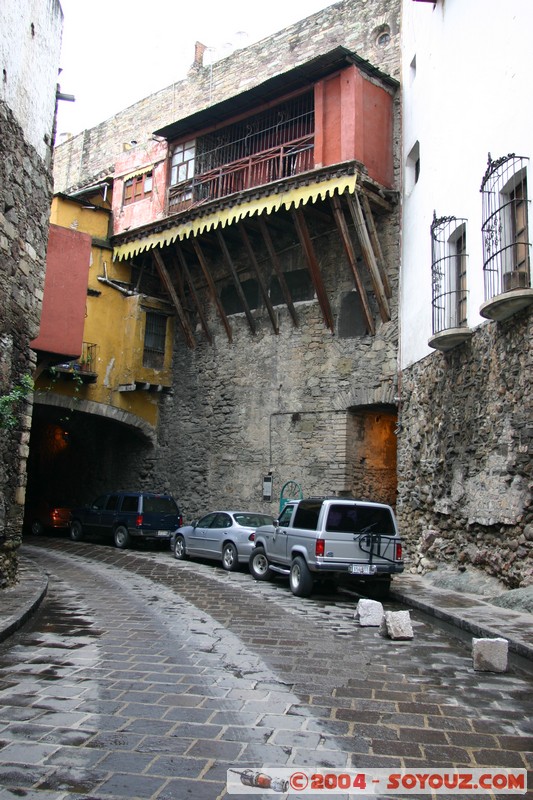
x: 230, y: 558
x: 259, y: 566
x: 37, y: 528
x: 180, y: 551
x: 300, y: 579
x: 76, y: 530
x: 122, y: 537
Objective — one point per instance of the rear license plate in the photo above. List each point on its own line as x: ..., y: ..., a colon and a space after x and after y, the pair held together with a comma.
x: 361, y: 569
x: 163, y: 533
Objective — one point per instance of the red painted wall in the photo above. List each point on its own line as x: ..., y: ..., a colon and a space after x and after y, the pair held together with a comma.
x: 354, y: 120
x: 65, y: 293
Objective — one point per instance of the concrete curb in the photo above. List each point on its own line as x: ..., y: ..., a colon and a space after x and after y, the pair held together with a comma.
x: 19, y: 602
x: 468, y: 613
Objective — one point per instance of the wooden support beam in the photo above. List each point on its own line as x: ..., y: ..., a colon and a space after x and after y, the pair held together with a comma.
x: 376, y: 244
x: 236, y: 281
x: 167, y: 283
x: 342, y: 227
x: 368, y: 254
x: 255, y: 267
x: 277, y: 268
x: 192, y: 289
x: 312, y: 263
x: 212, y: 288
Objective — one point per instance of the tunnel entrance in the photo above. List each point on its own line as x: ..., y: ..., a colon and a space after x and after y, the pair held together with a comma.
x: 371, y: 453
x: 74, y: 456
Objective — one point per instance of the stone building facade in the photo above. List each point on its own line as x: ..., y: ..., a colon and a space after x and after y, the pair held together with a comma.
x: 465, y: 489
x: 309, y: 402
x: 26, y: 122
x: 465, y: 455
x: 370, y: 29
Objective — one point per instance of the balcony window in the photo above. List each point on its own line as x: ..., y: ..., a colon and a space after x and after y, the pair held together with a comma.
x: 137, y: 188
x: 448, y: 272
x: 448, y: 278
x: 182, y: 171
x: 506, y: 246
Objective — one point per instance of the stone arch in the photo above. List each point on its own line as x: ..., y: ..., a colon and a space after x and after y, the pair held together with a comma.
x: 111, y: 413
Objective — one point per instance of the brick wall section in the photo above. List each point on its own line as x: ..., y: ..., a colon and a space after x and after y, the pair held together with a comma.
x: 465, y: 455
x: 25, y: 195
x: 92, y: 154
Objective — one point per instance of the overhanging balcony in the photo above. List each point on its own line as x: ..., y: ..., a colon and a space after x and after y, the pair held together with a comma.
x: 276, y: 163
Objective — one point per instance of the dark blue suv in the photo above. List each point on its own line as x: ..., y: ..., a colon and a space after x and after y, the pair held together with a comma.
x: 127, y: 516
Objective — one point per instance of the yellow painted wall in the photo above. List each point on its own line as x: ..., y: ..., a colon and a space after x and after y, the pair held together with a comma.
x: 114, y: 322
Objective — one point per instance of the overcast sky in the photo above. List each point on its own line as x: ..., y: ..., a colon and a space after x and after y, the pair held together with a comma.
x: 116, y: 52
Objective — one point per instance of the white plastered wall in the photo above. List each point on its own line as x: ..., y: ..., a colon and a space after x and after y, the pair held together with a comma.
x: 468, y: 95
x: 30, y: 44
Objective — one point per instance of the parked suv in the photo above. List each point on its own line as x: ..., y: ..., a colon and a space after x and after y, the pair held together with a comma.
x: 128, y: 515
x: 319, y: 538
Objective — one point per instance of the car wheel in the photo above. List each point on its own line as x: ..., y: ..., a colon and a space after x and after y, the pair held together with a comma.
x: 300, y: 579
x: 230, y: 559
x: 179, y: 548
x: 76, y: 531
x: 122, y: 537
x: 259, y: 566
x: 37, y: 528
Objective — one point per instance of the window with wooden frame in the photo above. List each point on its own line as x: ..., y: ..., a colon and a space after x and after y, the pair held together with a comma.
x: 155, y: 334
x: 182, y: 163
x: 138, y: 187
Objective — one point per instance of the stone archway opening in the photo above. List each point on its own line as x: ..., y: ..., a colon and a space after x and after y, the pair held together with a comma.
x: 372, y: 453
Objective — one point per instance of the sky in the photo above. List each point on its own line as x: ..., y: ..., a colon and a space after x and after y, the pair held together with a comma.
x: 115, y: 52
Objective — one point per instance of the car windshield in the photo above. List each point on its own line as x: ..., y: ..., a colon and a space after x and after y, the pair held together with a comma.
x: 253, y: 520
x: 360, y: 519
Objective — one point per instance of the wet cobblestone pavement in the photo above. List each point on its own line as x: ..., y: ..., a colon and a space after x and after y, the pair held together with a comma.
x: 143, y: 677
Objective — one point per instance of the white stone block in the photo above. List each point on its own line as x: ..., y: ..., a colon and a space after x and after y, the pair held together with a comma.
x: 369, y: 613
x: 490, y: 655
x: 397, y: 625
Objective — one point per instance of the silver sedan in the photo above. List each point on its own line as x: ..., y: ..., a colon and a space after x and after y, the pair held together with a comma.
x: 227, y: 536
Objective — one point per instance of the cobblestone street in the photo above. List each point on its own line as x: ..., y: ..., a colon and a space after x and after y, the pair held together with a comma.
x: 142, y: 677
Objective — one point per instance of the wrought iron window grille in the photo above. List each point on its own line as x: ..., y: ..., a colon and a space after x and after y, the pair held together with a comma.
x: 448, y: 273
x: 505, y: 228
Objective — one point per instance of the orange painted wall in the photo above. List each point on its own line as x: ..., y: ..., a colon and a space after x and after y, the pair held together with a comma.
x: 354, y: 120
x: 65, y: 292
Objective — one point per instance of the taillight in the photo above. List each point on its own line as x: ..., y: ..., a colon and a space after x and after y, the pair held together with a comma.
x: 320, y: 547
x: 398, y: 551
x: 251, y: 537
x: 180, y: 521
x: 139, y: 521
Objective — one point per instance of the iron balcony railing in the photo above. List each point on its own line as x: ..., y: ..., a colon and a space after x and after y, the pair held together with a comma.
x: 505, y: 228
x: 448, y: 273
x: 258, y: 169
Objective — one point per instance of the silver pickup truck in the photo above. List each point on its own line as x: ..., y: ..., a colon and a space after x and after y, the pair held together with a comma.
x: 322, y: 538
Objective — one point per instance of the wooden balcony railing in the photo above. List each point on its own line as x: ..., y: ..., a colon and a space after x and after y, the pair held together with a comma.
x: 258, y: 169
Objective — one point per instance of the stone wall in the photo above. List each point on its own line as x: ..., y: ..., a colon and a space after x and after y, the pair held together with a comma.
x: 25, y: 195
x: 356, y: 26
x: 275, y: 403
x: 465, y: 454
